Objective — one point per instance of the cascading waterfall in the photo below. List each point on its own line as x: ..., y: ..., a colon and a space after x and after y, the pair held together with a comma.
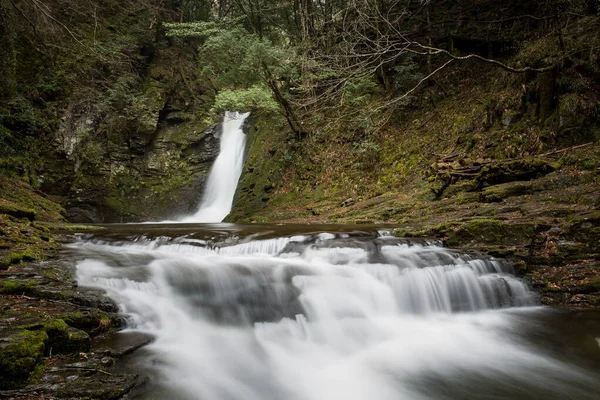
x: 225, y: 172
x: 327, y: 316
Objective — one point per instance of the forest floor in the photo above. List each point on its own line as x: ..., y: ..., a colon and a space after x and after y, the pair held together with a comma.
x: 543, y: 214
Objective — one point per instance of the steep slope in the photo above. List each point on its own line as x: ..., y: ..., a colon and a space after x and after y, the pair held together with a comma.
x: 485, y: 158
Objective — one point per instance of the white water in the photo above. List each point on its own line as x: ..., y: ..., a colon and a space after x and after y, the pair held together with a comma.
x: 328, y: 317
x: 225, y: 172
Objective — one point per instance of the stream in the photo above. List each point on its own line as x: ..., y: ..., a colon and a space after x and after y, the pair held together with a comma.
x: 320, y: 312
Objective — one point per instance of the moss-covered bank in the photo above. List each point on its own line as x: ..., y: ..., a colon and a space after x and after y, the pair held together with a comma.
x: 47, y: 324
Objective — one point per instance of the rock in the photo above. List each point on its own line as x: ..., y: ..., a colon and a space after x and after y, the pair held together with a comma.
x: 348, y: 202
x: 500, y: 192
x: 95, y: 299
x: 82, y: 215
x: 17, y: 211
x: 63, y: 339
x: 104, y: 388
x: 514, y: 170
x: 20, y: 355
x: 121, y: 343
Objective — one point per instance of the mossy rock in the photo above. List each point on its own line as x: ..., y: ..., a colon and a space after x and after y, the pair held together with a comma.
x: 21, y: 356
x: 17, y: 211
x: 92, y: 321
x: 514, y: 170
x: 485, y: 232
x: 586, y: 229
x: 91, y: 387
x: 497, y: 193
x: 31, y: 253
x: 64, y: 339
x: 459, y: 188
x: 28, y: 287
x: 591, y: 286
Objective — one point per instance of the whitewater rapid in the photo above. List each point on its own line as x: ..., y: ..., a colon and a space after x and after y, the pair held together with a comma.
x: 327, y: 316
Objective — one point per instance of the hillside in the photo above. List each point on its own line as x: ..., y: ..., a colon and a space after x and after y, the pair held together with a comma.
x: 439, y: 114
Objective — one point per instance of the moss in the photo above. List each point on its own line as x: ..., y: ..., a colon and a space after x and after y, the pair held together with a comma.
x: 28, y: 287
x: 31, y: 253
x: 477, y: 231
x: 260, y: 183
x: 500, y: 192
x: 514, y: 170
x: 593, y: 300
x: 23, y: 197
x: 92, y: 321
x: 21, y: 358
x: 589, y: 286
x: 459, y: 188
x: 63, y: 339
x: 17, y: 211
x: 490, y: 231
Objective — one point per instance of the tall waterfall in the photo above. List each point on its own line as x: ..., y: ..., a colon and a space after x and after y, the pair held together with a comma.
x: 225, y: 172
x: 323, y: 316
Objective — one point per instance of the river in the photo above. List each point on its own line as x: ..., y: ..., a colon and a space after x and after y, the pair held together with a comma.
x: 316, y: 312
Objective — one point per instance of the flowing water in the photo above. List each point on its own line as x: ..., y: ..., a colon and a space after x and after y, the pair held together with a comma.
x: 225, y: 172
x: 332, y: 312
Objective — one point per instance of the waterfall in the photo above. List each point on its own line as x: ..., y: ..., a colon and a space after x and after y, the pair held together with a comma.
x: 328, y: 316
x: 225, y: 172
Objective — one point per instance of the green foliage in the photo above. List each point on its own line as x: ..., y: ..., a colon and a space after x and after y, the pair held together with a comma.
x: 200, y: 29
x: 241, y: 66
x: 233, y: 58
x: 358, y: 91
x: 255, y: 97
x: 406, y: 75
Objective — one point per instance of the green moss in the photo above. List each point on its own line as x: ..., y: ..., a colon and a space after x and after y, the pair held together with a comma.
x: 477, y: 231
x: 28, y: 287
x: 31, y: 253
x: 21, y: 358
x: 25, y: 199
x: 500, y: 192
x: 63, y: 339
x: 488, y: 231
x: 92, y: 321
x: 593, y: 300
x: 17, y: 211
x: 589, y: 286
x: 514, y: 170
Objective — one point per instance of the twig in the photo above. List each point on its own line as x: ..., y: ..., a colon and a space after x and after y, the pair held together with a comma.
x: 433, y: 50
x: 389, y: 103
x: 565, y: 149
x: 47, y: 14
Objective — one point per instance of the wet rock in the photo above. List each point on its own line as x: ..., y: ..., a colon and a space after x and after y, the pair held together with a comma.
x: 95, y: 299
x: 92, y: 321
x: 104, y: 388
x: 82, y: 215
x: 20, y: 355
x: 63, y: 339
x: 121, y: 343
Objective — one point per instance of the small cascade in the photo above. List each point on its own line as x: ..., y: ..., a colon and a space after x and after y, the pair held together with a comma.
x: 326, y: 316
x: 225, y: 172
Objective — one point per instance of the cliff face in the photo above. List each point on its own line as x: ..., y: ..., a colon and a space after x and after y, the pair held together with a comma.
x: 100, y: 110
x: 153, y: 170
